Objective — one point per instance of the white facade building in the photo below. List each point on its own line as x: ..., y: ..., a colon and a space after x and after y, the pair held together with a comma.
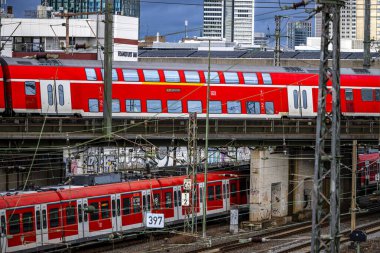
x: 29, y: 37
x: 232, y: 20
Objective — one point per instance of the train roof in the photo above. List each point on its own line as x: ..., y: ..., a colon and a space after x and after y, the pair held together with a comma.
x: 180, y: 66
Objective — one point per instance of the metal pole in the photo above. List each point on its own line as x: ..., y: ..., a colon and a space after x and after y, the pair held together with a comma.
x: 278, y: 40
x: 206, y: 142
x: 107, y: 105
x: 67, y: 33
x: 367, y: 34
x: 353, y: 183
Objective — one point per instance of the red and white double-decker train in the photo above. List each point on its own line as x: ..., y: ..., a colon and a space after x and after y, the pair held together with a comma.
x: 56, y: 217
x: 142, y: 90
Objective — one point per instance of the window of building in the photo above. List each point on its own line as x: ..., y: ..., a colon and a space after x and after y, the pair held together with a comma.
x: 267, y: 78
x: 231, y: 77
x: 114, y: 75
x: 174, y: 106
x: 70, y: 215
x: 253, y: 107
x: 27, y: 221
x: 115, y: 105
x: 105, y: 209
x: 210, y: 192
x: 349, y: 94
x: 93, y: 105
x: 168, y: 200
x: 192, y: 76
x: 90, y: 74
x: 194, y: 106
x: 14, y: 224
x: 367, y: 95
x: 215, y: 107
x: 30, y: 88
x: 126, y: 206
x: 133, y: 105
x: 151, y: 75
x: 250, y: 78
x: 233, y: 107
x: 136, y: 204
x: 154, y: 106
x: 54, y: 217
x: 214, y: 77
x: 130, y: 75
x: 95, y: 215
x: 171, y: 76
x: 269, y: 108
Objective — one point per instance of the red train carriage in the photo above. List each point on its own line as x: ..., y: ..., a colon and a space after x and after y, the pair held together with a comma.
x: 38, y: 220
x: 167, y: 90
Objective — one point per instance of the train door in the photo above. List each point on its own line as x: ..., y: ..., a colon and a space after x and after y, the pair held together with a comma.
x: 3, y: 225
x: 116, y: 216
x: 146, y: 203
x: 55, y: 97
x: 226, y: 195
x: 177, y: 203
x: 300, y: 101
x: 85, y: 222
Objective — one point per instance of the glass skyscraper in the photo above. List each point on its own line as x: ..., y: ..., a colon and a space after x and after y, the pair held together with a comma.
x: 129, y: 8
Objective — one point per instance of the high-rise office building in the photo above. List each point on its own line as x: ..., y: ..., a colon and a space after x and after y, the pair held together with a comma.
x: 232, y: 20
x: 297, y: 33
x: 129, y: 8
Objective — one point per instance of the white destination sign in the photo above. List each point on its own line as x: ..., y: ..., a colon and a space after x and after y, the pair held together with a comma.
x: 155, y: 220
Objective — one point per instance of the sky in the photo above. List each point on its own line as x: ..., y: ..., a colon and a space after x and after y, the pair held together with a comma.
x: 168, y: 16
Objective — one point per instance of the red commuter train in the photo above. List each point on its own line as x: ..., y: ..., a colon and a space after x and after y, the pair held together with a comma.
x: 34, y: 221
x: 145, y: 90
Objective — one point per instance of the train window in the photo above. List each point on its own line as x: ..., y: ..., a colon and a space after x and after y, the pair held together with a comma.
x: 231, y: 77
x: 148, y: 200
x: 93, y: 105
x: 113, y: 208
x: 38, y: 219
x: 174, y: 106
x: 168, y: 200
x: 61, y: 96
x: 3, y: 226
x: 136, y: 205
x: 367, y: 95
x: 156, y: 201
x: 95, y: 215
x: 30, y: 88
x: 130, y: 75
x: 192, y: 76
x: 194, y: 106
x: 269, y: 108
x: 295, y: 98
x: 250, y: 78
x: 210, y: 192
x: 253, y: 107
x: 233, y: 190
x: 118, y: 207
x: 377, y: 95
x: 105, y: 209
x: 70, y: 215
x: 175, y: 198
x: 50, y: 94
x: 215, y: 107
x: 349, y: 94
x: 85, y: 214
x: 144, y: 203
x: 267, y: 78
x: 44, y: 220
x: 154, y: 106
x: 27, y: 221
x: 201, y: 195
x: 233, y: 107
x: 14, y: 223
x: 171, y: 76
x: 90, y: 74
x: 179, y: 198
x: 114, y: 75
x: 151, y: 75
x: 214, y: 77
x: 304, y: 99
x: 80, y: 214
x: 54, y: 217
x: 224, y: 191
x: 126, y: 206
x: 133, y: 105
x: 218, y: 192
x: 115, y: 105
